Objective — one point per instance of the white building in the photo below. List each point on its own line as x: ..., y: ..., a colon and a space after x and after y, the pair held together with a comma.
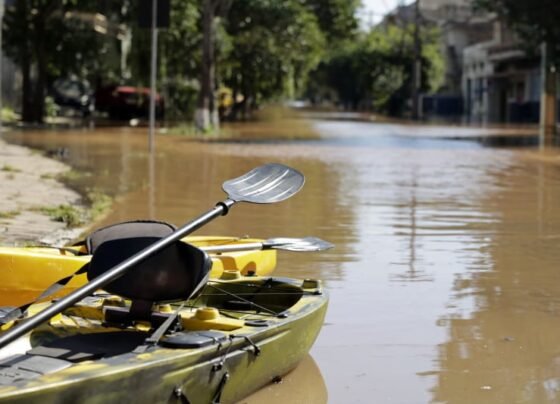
x: 501, y: 83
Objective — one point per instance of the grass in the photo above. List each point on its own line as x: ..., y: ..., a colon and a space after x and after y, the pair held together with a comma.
x: 99, y: 203
x: 190, y: 131
x: 9, y: 214
x: 8, y: 115
x: 9, y: 169
x: 74, y: 216
x: 68, y: 214
x: 71, y: 175
x: 48, y: 177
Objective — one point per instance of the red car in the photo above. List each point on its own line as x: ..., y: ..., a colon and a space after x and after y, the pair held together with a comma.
x: 126, y: 102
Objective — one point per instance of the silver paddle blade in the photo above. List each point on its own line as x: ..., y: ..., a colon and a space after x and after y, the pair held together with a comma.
x: 297, y: 244
x: 265, y: 184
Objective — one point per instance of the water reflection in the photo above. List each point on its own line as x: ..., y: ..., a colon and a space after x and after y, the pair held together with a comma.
x: 303, y: 385
x: 506, y: 348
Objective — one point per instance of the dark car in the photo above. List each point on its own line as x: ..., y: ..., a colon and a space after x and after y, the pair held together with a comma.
x: 126, y: 102
x: 73, y: 94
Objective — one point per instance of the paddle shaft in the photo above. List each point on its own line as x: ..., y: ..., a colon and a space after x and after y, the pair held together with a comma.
x: 233, y: 247
x: 221, y: 209
x: 279, y: 243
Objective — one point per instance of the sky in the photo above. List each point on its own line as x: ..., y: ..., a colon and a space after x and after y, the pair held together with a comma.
x: 374, y: 10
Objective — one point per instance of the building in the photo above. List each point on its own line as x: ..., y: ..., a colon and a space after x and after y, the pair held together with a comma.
x: 501, y: 80
x: 460, y: 27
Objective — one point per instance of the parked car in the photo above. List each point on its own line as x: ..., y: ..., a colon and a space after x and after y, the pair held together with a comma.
x: 74, y: 94
x: 126, y: 102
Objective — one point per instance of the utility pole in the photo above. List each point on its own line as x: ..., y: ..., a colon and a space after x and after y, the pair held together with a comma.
x: 549, y: 77
x: 153, y: 68
x: 417, y: 64
x: 153, y: 14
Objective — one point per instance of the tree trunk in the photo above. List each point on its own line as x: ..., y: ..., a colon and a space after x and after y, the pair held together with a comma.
x: 41, y: 81
x: 206, y: 114
x: 26, y: 102
x: 27, y: 95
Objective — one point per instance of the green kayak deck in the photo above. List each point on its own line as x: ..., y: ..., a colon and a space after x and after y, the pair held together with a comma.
x: 231, y: 340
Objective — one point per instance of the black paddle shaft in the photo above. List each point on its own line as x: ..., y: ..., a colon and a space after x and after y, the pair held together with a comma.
x: 265, y: 184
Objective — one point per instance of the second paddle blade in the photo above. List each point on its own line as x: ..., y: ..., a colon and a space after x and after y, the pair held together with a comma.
x: 297, y: 244
x: 265, y: 184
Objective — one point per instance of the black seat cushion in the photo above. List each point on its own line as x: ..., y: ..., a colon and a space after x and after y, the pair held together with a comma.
x: 172, y: 274
x: 175, y: 273
x: 136, y: 228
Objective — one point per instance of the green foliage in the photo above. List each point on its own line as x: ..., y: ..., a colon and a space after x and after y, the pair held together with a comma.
x: 10, y: 169
x: 44, y: 36
x: 8, y: 115
x: 68, y: 214
x: 336, y: 18
x: 177, y: 45
x: 71, y: 176
x: 274, y: 45
x: 10, y: 214
x: 180, y: 98
x: 50, y: 107
x: 265, y: 50
x: 375, y: 70
x: 178, y: 57
x: 99, y: 203
x: 190, y: 131
x: 535, y: 21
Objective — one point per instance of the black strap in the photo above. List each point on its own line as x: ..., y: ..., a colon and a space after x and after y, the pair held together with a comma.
x: 180, y: 395
x: 218, y: 395
x: 20, y: 311
x: 153, y: 339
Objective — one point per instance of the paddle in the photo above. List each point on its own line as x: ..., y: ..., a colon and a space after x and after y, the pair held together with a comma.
x: 269, y: 183
x: 280, y: 243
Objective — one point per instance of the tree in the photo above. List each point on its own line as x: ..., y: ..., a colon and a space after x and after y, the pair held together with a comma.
x: 274, y: 45
x: 375, y: 70
x: 178, y: 57
x: 536, y: 21
x: 206, y: 114
x: 48, y: 39
x: 336, y: 18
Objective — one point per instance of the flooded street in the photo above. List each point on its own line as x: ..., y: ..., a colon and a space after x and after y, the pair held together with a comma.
x: 444, y: 282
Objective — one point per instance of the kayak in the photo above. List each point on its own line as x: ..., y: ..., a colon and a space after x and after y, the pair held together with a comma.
x: 234, y: 338
x: 36, y: 268
x: 150, y: 326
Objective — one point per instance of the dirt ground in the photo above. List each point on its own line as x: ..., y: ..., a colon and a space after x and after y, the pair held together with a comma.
x: 28, y: 183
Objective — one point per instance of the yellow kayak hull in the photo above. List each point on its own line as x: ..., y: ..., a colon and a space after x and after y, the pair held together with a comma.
x: 34, y: 269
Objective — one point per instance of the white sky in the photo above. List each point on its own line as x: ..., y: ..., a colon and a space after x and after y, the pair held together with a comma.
x: 374, y: 10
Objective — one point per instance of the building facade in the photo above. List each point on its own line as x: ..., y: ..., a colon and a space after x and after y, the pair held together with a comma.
x: 501, y: 81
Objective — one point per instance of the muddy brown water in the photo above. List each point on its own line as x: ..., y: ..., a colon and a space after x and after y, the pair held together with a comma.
x: 445, y: 280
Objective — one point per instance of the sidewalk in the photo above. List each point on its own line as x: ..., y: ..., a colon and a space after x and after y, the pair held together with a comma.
x: 28, y: 183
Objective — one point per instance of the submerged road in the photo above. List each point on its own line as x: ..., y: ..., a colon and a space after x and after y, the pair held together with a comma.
x: 444, y: 284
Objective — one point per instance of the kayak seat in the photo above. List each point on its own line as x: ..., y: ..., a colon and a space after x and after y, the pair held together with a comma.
x: 124, y: 230
x: 176, y: 273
